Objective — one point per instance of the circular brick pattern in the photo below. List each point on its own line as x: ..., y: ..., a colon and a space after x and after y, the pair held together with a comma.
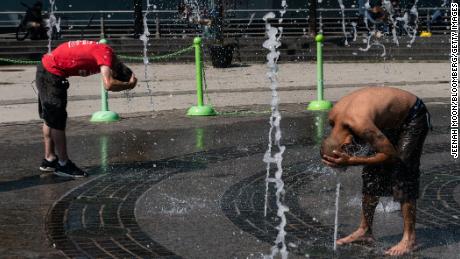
x: 244, y: 203
x: 97, y: 219
x: 437, y: 206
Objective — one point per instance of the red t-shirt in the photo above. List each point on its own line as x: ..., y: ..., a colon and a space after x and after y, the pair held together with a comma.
x: 78, y: 58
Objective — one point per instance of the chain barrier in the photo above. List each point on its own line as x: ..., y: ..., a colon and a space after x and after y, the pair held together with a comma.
x: 153, y: 58
x: 19, y: 61
x: 125, y: 57
x: 203, y: 68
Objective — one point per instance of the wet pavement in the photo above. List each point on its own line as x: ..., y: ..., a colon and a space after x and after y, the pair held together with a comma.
x: 177, y: 187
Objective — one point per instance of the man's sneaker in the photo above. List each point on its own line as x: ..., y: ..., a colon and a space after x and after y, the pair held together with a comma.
x: 48, y: 166
x: 69, y: 170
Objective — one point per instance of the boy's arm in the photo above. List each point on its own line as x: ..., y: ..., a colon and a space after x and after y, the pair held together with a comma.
x: 114, y: 85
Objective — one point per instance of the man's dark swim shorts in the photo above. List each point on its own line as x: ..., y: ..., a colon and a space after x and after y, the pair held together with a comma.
x: 52, y: 98
x: 401, y: 179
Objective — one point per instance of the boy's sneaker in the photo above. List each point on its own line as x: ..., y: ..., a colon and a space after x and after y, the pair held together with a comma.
x: 48, y: 166
x: 69, y: 170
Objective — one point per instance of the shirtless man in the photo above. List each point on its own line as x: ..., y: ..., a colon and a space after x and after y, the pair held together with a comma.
x: 394, y: 123
x: 73, y: 58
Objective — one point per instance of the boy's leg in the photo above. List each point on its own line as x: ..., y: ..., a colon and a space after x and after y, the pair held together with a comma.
x: 407, y: 243
x: 50, y: 154
x: 59, y: 139
x: 364, y: 231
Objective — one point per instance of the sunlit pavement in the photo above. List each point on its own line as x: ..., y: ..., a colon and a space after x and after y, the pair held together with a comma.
x: 173, y: 86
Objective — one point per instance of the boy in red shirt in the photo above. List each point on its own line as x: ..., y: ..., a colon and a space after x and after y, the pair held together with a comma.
x: 73, y: 58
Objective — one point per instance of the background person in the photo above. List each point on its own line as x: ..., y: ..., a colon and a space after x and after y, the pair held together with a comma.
x: 73, y: 58
x: 33, y: 21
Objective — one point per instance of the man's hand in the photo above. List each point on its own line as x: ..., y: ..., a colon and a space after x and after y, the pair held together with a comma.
x: 339, y: 159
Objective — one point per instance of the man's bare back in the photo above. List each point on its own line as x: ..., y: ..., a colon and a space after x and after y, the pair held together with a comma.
x: 386, y: 107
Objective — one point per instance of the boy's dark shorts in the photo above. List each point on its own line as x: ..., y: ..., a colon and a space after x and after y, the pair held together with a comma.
x: 400, y: 179
x: 52, y: 98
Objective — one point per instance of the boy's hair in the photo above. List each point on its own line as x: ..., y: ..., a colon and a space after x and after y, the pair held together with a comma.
x: 121, y: 71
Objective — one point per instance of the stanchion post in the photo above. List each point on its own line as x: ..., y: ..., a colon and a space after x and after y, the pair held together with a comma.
x: 200, y: 109
x: 199, y: 132
x: 104, y: 115
x: 319, y: 104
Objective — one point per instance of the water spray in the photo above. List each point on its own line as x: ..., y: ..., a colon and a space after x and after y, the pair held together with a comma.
x: 342, y: 8
x: 272, y: 44
x: 145, y: 39
x: 336, y: 219
x: 52, y: 23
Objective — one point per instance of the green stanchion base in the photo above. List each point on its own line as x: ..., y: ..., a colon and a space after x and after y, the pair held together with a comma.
x: 205, y: 110
x: 319, y: 105
x: 105, y: 116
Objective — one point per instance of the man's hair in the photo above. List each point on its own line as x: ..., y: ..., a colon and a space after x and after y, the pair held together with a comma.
x: 329, y: 144
x: 122, y: 72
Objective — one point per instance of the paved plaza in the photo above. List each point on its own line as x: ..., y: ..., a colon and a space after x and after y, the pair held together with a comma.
x: 166, y: 185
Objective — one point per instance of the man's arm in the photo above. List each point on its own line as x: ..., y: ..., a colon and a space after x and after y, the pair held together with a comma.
x: 385, y: 151
x: 114, y: 85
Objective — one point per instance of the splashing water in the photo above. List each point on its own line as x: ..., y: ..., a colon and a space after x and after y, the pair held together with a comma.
x: 272, y: 43
x: 321, y: 23
x: 145, y: 39
x: 342, y: 8
x: 359, y: 150
x: 195, y: 12
x: 367, y: 5
x: 251, y: 19
x: 355, y: 30
x: 414, y: 12
x: 389, y: 7
x: 52, y: 23
x: 336, y: 220
x: 374, y: 33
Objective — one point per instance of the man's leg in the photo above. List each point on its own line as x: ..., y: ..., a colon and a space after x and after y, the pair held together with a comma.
x: 407, y: 243
x: 364, y: 231
x: 59, y: 139
x: 50, y: 154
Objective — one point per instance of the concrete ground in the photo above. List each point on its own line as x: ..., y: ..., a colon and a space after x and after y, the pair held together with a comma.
x: 173, y: 86
x: 166, y: 185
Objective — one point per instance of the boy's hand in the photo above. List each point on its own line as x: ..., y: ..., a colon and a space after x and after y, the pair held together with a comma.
x: 132, y: 81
